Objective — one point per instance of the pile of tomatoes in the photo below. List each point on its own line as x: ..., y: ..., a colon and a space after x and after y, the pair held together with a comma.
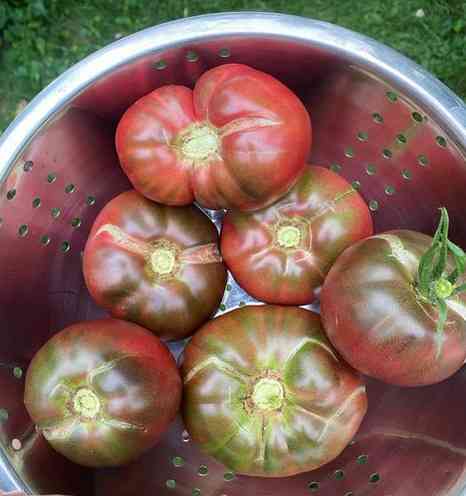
x: 269, y: 390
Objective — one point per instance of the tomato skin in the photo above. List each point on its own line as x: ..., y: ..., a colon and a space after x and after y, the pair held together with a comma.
x: 330, y: 216
x: 117, y: 265
x: 372, y: 314
x: 259, y: 136
x: 323, y: 400
x: 130, y: 371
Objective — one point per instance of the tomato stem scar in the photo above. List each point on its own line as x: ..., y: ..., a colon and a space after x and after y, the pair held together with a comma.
x: 86, y: 403
x: 268, y: 394
x: 198, y: 142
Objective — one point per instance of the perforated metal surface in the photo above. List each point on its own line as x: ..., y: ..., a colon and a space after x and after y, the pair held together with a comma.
x: 378, y: 120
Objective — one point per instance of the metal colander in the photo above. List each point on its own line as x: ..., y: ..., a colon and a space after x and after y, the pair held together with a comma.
x: 379, y: 120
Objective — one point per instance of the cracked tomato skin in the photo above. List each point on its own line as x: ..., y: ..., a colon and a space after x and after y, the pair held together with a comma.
x: 266, y: 395
x: 240, y: 140
x: 282, y: 253
x: 155, y: 265
x: 376, y: 320
x: 131, y: 373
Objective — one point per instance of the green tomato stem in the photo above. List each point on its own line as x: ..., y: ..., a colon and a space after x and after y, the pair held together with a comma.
x: 86, y: 403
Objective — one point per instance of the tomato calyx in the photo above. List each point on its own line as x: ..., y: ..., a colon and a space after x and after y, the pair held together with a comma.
x: 433, y: 283
x: 291, y: 234
x: 198, y: 143
x: 162, y: 259
x: 266, y: 394
x: 86, y: 403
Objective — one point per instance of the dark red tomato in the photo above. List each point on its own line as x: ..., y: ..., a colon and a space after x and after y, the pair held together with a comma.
x: 102, y: 392
x: 239, y: 140
x: 155, y: 265
x: 266, y: 395
x: 282, y: 253
x: 380, y: 320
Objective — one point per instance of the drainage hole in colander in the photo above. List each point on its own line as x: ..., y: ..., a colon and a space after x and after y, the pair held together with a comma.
x: 362, y: 459
x: 362, y: 136
x: 51, y: 178
x: 356, y: 185
x: 313, y: 486
x: 18, y: 372
x: 185, y: 437
x: 350, y: 493
x: 171, y: 483
x: 377, y: 118
x: 160, y: 65
x: 3, y: 415
x: 203, y: 471
x: 423, y: 160
x: 417, y: 117
x: 228, y: 287
x: 45, y: 240
x: 23, y: 230
x: 228, y: 476
x: 339, y: 474
x: 441, y: 141
x: 224, y: 53
x: 55, y: 212
x: 65, y: 246
x: 11, y: 194
x: 349, y: 152
x: 28, y: 165
x: 76, y: 222
x: 406, y: 174
x: 242, y: 303
x: 222, y: 307
x: 371, y: 169
x: 392, y: 96
x: 386, y: 153
x: 196, y: 492
x: 91, y: 200
x: 374, y: 478
x: 36, y: 203
x: 335, y: 168
x: 402, y: 139
x: 70, y: 188
x: 373, y: 205
x: 191, y: 56
x: 16, y: 444
x: 390, y: 190
x: 178, y: 461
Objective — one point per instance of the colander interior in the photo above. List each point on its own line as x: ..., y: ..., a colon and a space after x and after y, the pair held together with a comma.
x: 379, y: 133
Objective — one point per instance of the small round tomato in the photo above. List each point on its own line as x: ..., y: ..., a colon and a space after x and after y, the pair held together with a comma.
x: 102, y: 392
x: 282, y: 253
x: 240, y: 139
x: 265, y: 394
x: 155, y: 265
x: 393, y: 312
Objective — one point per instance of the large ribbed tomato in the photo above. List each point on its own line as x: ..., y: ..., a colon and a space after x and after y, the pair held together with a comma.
x: 102, y: 392
x: 281, y: 254
x: 239, y: 140
x: 155, y: 265
x: 382, y: 306
x: 265, y: 394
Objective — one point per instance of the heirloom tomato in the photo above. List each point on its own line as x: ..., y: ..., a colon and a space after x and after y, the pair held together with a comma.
x: 102, y: 392
x: 282, y: 253
x: 393, y: 306
x: 240, y: 139
x: 266, y: 395
x: 155, y: 265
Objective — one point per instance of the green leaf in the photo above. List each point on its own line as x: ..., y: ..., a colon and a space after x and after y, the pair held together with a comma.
x: 459, y: 289
x: 443, y: 245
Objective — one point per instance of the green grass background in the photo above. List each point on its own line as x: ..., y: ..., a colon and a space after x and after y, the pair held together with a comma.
x: 39, y: 39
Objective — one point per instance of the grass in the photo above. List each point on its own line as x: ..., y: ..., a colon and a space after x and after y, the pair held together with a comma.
x: 39, y: 39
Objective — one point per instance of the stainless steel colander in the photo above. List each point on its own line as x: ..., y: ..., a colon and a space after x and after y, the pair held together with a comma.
x: 381, y: 121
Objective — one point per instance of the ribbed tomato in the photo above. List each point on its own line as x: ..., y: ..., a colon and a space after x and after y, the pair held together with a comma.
x: 265, y: 394
x: 238, y: 140
x: 282, y: 253
x: 392, y: 310
x: 102, y: 392
x: 155, y: 265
